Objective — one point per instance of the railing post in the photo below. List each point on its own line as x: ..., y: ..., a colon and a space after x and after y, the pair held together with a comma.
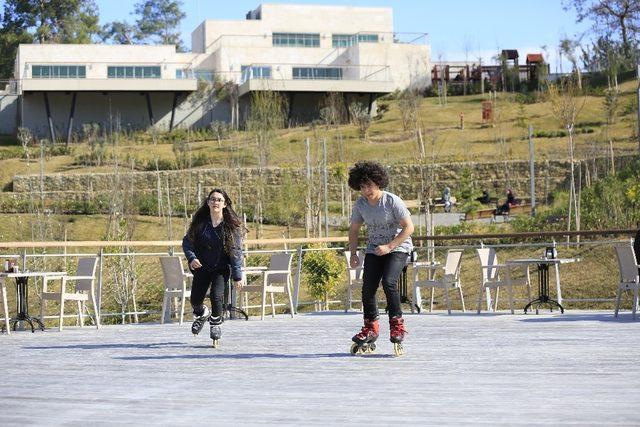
x: 24, y: 259
x: 296, y: 286
x: 100, y: 265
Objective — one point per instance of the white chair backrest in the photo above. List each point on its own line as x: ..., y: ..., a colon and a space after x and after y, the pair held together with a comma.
x: 86, y: 267
x: 280, y: 261
x: 488, y: 257
x: 452, y: 264
x: 627, y: 263
x: 354, y: 274
x: 172, y: 271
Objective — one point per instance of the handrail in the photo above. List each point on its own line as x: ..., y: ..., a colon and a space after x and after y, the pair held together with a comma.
x: 304, y: 240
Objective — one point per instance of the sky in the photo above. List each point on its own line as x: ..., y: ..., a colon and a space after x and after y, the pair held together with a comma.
x: 480, y: 27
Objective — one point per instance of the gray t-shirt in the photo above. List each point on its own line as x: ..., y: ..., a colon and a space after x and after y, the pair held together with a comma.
x: 382, y: 221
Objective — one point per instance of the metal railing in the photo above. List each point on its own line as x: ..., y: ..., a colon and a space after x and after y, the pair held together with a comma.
x: 130, y: 283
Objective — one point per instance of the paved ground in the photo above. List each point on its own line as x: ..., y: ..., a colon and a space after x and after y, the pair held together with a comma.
x: 580, y: 368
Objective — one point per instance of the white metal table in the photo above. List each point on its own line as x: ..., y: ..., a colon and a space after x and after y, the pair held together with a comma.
x: 22, y: 295
x: 543, y: 280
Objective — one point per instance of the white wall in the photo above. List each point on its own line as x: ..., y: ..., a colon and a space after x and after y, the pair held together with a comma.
x: 8, y: 113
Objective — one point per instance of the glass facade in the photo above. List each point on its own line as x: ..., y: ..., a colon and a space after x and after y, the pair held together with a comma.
x: 312, y: 73
x: 133, y: 72
x: 296, y: 40
x: 346, y: 40
x: 58, y: 71
x: 255, y: 72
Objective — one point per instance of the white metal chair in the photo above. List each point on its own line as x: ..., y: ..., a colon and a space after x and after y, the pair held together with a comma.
x: 275, y: 279
x: 492, y: 279
x: 449, y: 280
x: 177, y: 284
x: 5, y: 306
x: 83, y: 291
x: 354, y: 279
x: 629, y: 278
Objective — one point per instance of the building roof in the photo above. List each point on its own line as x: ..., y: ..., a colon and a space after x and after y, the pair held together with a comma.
x: 535, y: 57
x: 510, y: 53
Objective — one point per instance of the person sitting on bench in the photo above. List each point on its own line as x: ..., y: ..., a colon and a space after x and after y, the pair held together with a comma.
x: 506, y: 207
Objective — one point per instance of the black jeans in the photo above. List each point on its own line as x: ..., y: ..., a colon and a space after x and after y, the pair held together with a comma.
x: 386, y: 268
x: 202, y: 280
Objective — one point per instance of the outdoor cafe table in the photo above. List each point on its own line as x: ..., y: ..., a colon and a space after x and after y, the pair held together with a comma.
x: 22, y: 295
x: 543, y: 280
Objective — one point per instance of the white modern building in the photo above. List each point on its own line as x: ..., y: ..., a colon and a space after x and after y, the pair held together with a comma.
x: 301, y: 51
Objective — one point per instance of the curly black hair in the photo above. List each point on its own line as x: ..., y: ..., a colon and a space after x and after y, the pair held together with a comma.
x: 367, y: 171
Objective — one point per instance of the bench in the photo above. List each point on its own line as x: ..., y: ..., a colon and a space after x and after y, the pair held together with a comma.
x: 434, y: 203
x: 523, y: 208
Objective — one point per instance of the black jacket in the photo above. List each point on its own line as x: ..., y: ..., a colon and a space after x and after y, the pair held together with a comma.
x: 208, y: 247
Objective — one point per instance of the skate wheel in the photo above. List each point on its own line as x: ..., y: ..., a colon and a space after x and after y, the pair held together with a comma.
x: 354, y: 349
x: 215, y: 343
x: 398, y: 349
x: 372, y: 347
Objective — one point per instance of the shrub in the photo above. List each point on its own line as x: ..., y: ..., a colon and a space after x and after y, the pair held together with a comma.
x: 324, y: 273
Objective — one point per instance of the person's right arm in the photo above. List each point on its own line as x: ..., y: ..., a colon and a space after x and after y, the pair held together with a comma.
x: 187, y: 248
x: 354, y: 230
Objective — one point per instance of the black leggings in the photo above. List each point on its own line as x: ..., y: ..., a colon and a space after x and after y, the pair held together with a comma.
x: 202, y: 279
x: 386, y: 268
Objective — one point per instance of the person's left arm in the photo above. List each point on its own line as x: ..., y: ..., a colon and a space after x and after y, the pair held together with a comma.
x: 236, y: 260
x: 407, y: 229
x: 400, y: 211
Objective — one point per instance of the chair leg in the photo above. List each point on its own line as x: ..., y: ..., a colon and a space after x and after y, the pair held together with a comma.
x: 182, y: 303
x: 417, y: 298
x: 618, y: 296
x: 61, y: 318
x: 264, y: 300
x: 80, y: 313
x: 288, y: 288
x: 273, y: 307
x: 165, y: 301
x: 461, y: 298
x: 6, y: 309
x: 95, y: 309
x: 558, y: 290
x: 495, y: 303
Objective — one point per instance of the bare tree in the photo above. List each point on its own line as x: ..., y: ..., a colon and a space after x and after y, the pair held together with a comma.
x: 566, y: 106
x: 568, y: 48
x: 266, y: 116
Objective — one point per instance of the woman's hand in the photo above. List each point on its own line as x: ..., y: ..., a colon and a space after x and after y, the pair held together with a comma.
x: 354, y: 260
x: 195, y: 264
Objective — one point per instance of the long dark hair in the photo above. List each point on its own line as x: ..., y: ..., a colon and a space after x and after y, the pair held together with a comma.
x: 231, y: 225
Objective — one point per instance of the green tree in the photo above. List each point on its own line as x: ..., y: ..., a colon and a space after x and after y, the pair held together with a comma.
x: 53, y: 21
x: 159, y: 21
x: 119, y: 32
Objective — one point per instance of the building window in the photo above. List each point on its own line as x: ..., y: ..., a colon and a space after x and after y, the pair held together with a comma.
x: 342, y: 40
x: 203, y: 75
x: 184, y: 74
x: 346, y: 40
x: 311, y: 73
x: 296, y: 40
x: 367, y: 38
x: 255, y: 72
x: 133, y: 72
x: 58, y: 71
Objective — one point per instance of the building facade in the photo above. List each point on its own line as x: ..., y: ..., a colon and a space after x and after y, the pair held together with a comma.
x: 303, y: 52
